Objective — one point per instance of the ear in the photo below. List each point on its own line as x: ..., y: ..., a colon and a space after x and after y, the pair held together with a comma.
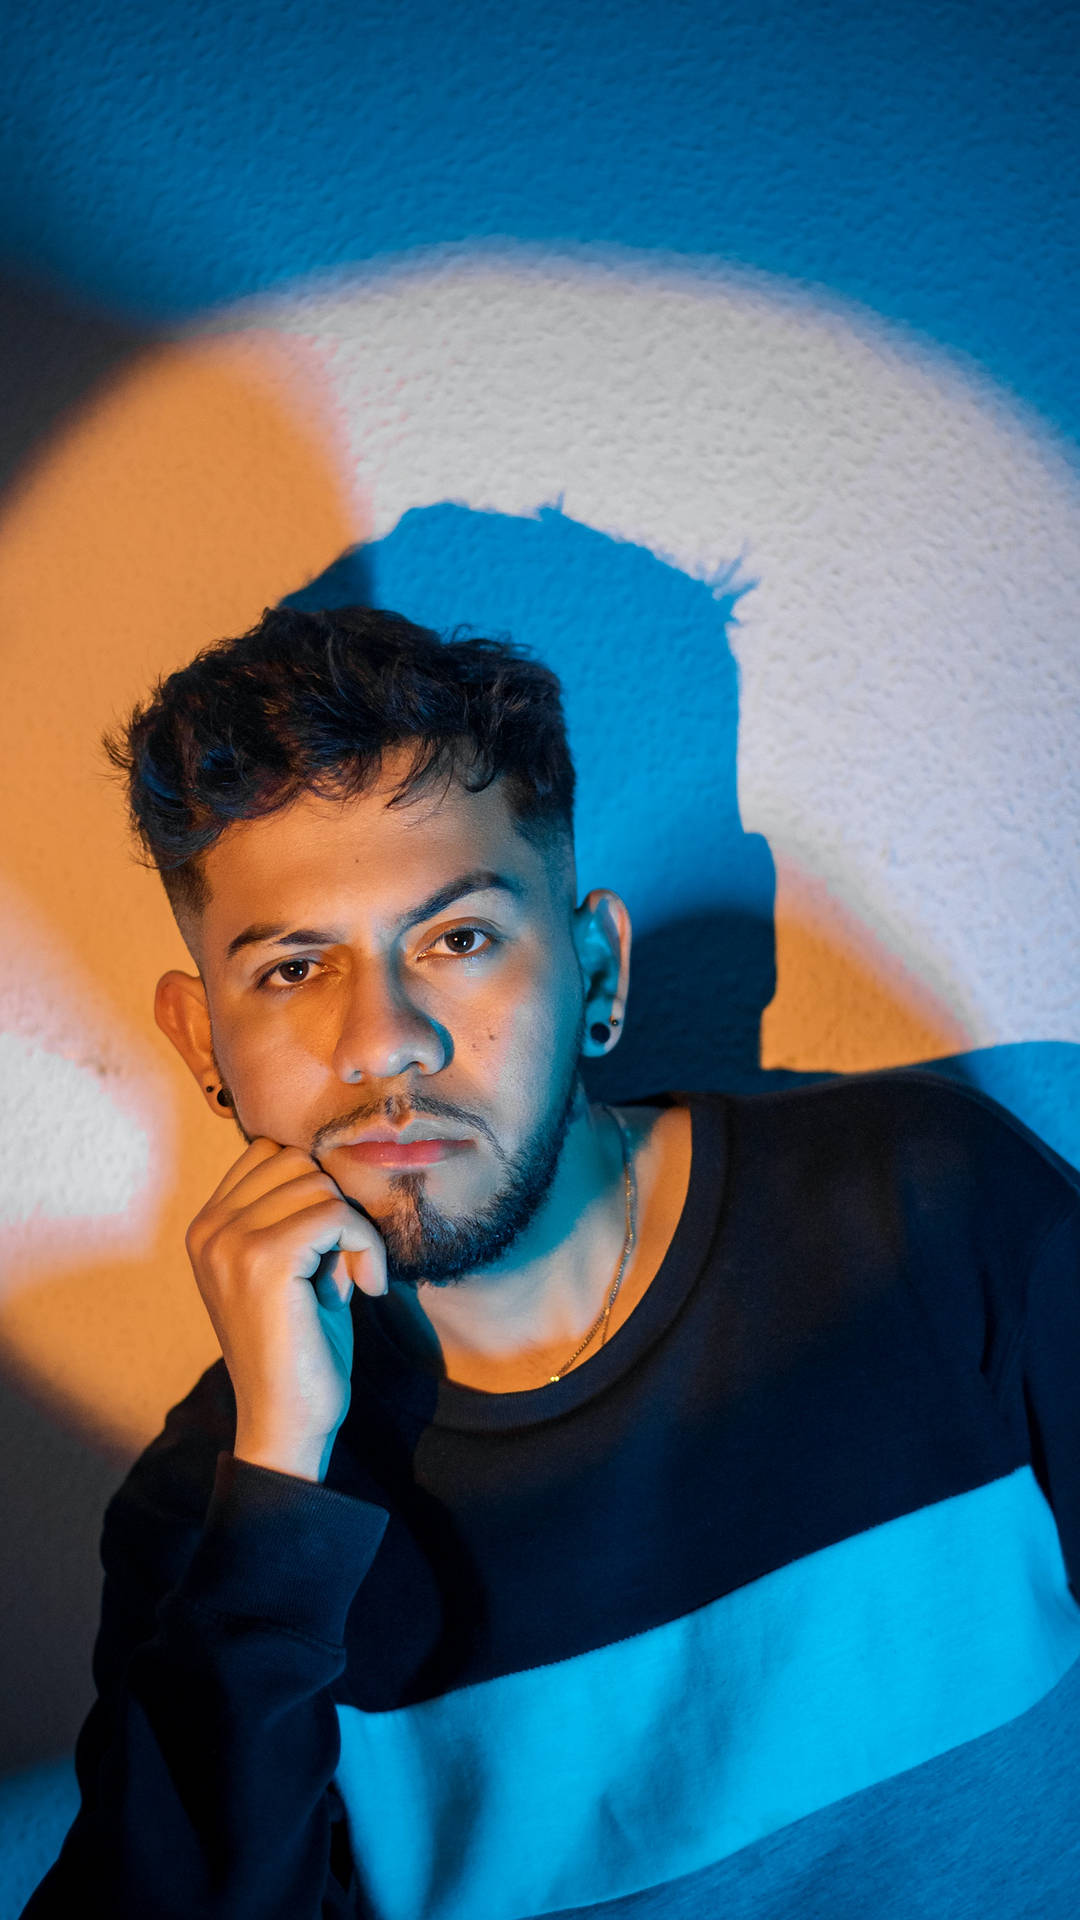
x: 602, y: 936
x: 182, y: 1013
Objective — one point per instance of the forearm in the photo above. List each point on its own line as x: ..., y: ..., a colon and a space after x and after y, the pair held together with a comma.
x: 206, y: 1770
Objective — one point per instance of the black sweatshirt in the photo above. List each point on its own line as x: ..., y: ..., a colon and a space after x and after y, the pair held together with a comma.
x: 767, y: 1609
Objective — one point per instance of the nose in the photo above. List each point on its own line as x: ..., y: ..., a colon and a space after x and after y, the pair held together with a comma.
x: 382, y: 1033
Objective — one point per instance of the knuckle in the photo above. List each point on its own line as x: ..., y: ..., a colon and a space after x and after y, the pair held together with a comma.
x: 218, y: 1249
x: 197, y: 1239
x: 290, y: 1158
x: 316, y: 1182
x: 201, y: 1226
x: 244, y: 1276
x: 330, y: 1209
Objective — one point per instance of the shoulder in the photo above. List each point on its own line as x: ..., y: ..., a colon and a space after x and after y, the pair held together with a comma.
x: 956, y: 1165
x: 904, y: 1113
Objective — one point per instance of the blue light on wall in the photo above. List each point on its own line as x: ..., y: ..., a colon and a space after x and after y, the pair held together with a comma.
x: 920, y: 158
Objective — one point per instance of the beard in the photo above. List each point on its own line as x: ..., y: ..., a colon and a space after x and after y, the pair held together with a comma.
x: 425, y: 1245
x: 422, y: 1243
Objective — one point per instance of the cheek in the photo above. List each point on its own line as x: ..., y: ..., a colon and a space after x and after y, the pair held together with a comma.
x: 525, y: 1039
x: 273, y: 1076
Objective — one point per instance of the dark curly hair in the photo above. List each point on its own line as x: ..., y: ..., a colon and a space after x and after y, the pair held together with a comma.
x: 310, y: 701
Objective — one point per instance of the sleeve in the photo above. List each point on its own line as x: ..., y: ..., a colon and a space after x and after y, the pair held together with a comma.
x: 206, y: 1763
x: 995, y: 1216
x: 1022, y: 1221
x: 1048, y: 1370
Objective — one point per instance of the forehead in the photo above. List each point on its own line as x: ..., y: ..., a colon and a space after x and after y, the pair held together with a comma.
x: 321, y: 856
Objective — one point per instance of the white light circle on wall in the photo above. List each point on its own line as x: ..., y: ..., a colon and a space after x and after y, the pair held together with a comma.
x: 72, y: 1151
x: 910, y: 674
x: 84, y: 1126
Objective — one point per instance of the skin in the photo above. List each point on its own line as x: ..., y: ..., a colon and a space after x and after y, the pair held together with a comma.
x: 472, y: 1019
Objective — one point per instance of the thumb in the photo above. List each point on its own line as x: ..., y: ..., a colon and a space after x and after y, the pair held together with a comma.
x: 364, y: 1255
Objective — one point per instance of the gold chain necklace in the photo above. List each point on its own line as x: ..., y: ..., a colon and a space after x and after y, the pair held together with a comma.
x: 604, y: 1314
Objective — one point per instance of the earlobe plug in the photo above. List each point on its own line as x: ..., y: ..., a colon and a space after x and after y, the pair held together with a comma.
x: 224, y: 1097
x: 600, y: 1031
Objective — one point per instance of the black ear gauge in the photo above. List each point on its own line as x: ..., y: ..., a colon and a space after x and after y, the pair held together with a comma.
x: 224, y: 1097
x: 600, y: 1033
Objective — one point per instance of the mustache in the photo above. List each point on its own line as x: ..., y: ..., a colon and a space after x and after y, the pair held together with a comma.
x: 395, y: 1109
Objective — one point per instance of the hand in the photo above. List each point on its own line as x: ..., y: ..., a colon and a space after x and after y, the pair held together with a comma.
x: 277, y: 1224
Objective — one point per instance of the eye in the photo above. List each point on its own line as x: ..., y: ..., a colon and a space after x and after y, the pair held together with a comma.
x: 293, y: 973
x: 464, y: 942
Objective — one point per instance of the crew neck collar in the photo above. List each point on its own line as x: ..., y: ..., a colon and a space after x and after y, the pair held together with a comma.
x: 447, y: 1403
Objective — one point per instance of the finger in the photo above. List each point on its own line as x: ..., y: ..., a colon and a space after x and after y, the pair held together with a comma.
x: 253, y: 1207
x: 296, y: 1244
x: 364, y: 1255
x: 367, y: 1275
x: 274, y: 1171
x: 255, y: 1154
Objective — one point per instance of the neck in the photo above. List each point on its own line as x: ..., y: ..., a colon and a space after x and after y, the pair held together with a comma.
x: 516, y: 1322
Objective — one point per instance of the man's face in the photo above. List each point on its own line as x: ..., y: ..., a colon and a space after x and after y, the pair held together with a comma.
x: 411, y: 968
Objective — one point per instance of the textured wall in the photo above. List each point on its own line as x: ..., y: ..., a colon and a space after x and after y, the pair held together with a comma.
x: 725, y: 355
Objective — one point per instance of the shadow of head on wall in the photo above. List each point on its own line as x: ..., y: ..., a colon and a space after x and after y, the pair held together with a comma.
x: 651, y: 694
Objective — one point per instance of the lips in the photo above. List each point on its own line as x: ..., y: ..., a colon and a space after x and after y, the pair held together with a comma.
x: 400, y: 1153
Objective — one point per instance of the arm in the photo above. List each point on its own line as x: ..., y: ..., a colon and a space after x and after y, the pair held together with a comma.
x: 206, y: 1762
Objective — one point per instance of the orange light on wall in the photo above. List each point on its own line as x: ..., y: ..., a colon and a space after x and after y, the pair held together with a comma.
x: 843, y: 1003
x: 200, y: 487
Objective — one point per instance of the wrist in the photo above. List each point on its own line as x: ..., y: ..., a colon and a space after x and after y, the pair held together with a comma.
x: 304, y: 1459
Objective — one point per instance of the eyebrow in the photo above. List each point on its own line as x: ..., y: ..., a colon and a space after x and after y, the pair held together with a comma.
x: 264, y: 933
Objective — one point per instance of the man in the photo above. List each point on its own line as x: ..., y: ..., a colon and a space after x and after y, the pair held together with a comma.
x: 671, y: 1510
